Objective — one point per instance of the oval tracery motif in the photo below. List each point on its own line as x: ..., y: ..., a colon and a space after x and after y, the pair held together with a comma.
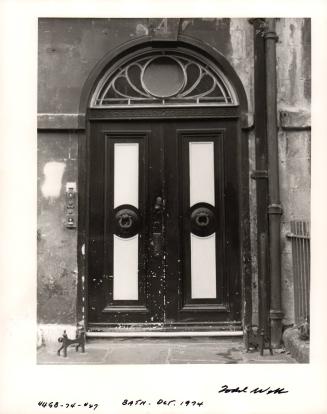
x: 164, y: 78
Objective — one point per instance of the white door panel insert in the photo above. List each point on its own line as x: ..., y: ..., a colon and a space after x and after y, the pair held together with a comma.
x: 203, y: 267
x: 202, y: 173
x: 125, y: 268
x: 126, y: 174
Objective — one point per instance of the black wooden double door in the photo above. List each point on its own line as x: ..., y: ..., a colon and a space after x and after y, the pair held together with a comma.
x: 163, y: 223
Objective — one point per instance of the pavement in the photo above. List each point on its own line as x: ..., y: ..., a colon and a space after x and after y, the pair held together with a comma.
x: 191, y: 350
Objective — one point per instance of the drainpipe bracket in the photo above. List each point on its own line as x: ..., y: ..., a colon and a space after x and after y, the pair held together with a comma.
x: 258, y: 174
x: 291, y: 235
x: 275, y: 209
x: 271, y: 35
x: 276, y: 314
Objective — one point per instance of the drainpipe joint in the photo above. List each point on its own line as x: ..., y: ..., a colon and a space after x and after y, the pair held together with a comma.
x: 276, y: 314
x: 275, y: 209
x: 271, y: 35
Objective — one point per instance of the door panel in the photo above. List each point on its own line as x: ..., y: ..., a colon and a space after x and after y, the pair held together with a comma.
x: 164, y: 223
x: 124, y: 178
x: 200, y: 214
x: 203, y: 262
x: 120, y: 289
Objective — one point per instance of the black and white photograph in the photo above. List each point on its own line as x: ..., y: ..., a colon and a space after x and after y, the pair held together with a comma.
x: 174, y: 190
x: 163, y: 193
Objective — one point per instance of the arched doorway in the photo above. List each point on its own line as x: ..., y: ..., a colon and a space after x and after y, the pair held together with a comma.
x: 165, y: 191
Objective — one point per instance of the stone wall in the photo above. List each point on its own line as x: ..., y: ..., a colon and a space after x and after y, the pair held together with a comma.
x: 294, y: 98
x: 56, y: 247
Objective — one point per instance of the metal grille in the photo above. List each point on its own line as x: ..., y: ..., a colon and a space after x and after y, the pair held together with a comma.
x: 200, y: 84
x: 300, y: 237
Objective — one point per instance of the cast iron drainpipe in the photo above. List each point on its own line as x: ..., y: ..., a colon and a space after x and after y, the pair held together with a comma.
x: 274, y: 207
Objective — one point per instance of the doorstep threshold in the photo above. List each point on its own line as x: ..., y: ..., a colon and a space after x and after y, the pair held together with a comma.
x: 158, y: 334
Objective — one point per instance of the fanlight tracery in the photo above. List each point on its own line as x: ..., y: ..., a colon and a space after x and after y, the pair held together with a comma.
x: 164, y: 78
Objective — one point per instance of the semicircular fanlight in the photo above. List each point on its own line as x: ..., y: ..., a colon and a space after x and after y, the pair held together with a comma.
x: 164, y: 78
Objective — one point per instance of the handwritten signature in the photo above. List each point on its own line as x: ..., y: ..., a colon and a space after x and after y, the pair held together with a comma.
x: 226, y: 389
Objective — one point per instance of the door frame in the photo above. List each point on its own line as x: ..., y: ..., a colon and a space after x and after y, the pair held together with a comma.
x: 87, y: 115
